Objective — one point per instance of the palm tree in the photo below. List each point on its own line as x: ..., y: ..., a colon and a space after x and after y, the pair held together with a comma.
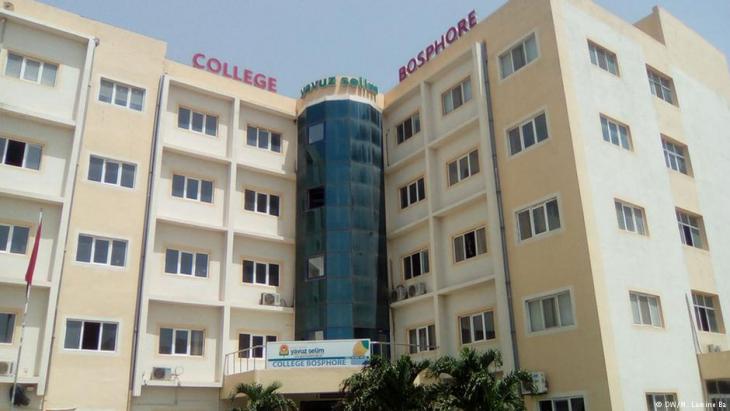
x: 383, y: 385
x: 262, y: 398
x: 470, y: 383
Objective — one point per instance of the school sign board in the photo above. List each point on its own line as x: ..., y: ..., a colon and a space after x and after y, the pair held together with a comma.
x: 317, y: 354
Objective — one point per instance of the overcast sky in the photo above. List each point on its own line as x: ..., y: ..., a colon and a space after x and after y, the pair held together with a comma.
x: 298, y: 41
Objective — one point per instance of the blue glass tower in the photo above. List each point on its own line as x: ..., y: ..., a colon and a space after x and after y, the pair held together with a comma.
x: 341, y: 282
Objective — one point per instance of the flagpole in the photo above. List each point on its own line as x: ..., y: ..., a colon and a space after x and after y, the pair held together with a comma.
x: 28, y: 287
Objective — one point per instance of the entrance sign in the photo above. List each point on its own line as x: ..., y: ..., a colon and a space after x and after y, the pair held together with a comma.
x: 359, y: 82
x: 223, y: 68
x: 451, y: 35
x: 317, y: 354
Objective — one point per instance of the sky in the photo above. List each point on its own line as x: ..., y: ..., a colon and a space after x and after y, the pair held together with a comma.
x: 298, y: 41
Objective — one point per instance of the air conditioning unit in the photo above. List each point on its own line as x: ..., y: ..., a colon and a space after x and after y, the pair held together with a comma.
x: 270, y: 299
x: 401, y: 293
x: 713, y: 348
x: 161, y: 373
x: 421, y: 289
x: 6, y: 368
x: 539, y: 383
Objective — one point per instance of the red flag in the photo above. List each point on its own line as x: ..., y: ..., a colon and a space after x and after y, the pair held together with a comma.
x: 34, y: 254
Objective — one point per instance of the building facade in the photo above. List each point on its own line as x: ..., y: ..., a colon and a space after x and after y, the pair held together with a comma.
x: 549, y: 185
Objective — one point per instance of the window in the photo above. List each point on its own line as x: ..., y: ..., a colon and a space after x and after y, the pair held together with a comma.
x: 197, y: 121
x: 121, y: 95
x: 111, y: 172
x: 645, y: 309
x: 422, y: 339
x: 527, y: 134
x: 263, y: 138
x: 477, y: 327
x: 706, y: 314
x: 316, y: 133
x: 186, y: 263
x: 255, y: 272
x: 470, y: 244
x: 192, y: 188
x: 552, y: 311
x: 31, y: 70
x: 719, y: 391
x: 562, y: 404
x: 661, y: 401
x: 7, y: 326
x: 261, y: 203
x: 690, y: 229
x: 415, y: 264
x: 90, y: 335
x: 518, y: 56
x: 602, y: 58
x: 20, y: 154
x: 615, y: 133
x: 13, y: 238
x: 99, y: 250
x: 253, y: 346
x: 315, y: 197
x: 538, y: 219
x: 456, y: 97
x: 412, y: 193
x: 630, y: 218
x: 407, y: 129
x: 315, y: 267
x: 463, y: 167
x: 675, y: 156
x: 661, y: 86
x: 176, y: 341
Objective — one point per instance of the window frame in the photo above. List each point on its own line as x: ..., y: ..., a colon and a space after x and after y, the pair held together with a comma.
x: 94, y: 239
x: 205, y: 114
x: 555, y: 296
x: 414, y: 349
x: 463, y: 235
x: 257, y: 193
x: 670, y: 155
x: 120, y: 172
x: 569, y: 399
x: 400, y: 128
x: 28, y: 145
x: 450, y: 91
x: 622, y: 220
x: 634, y: 294
x: 251, y: 350
x: 8, y: 246
x: 509, y: 49
x: 420, y: 196
x: 701, y: 241
x: 608, y: 138
x: 421, y: 258
x: 652, y: 400
x: 655, y: 78
x: 269, y: 145
x: 23, y: 64
x: 457, y: 161
x: 113, y: 96
x: 700, y: 308
x: 268, y: 265
x: 519, y: 126
x: 322, y: 270
x: 193, y: 266
x: 593, y: 52
x: 11, y: 329
x: 199, y: 194
x: 101, y: 323
x: 173, y: 342
x: 471, y: 316
x: 530, y: 209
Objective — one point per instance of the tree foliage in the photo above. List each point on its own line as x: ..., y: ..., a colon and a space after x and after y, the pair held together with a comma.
x: 260, y: 398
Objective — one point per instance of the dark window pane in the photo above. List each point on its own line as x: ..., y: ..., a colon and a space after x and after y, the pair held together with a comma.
x: 257, y: 343
x: 248, y: 267
x: 128, y: 175
x: 553, y: 214
x: 119, y: 253
x: 412, y: 341
x: 263, y: 139
x: 316, y: 197
x: 211, y: 125
x: 399, y: 133
x: 489, y: 325
x: 201, y: 265
x: 105, y: 91
x: 421, y: 190
x: 538, y: 217
x: 109, y: 337
x: 413, y: 193
x: 181, y: 341
x: 541, y: 127
x: 111, y: 172
x: 192, y: 189
x: 95, y: 168
x: 19, y: 242
x: 528, y: 134
x: 561, y: 405
x: 178, y: 185
x: 474, y: 162
x: 4, y: 234
x: 416, y: 264
x: 83, y: 249
x: 137, y: 100
x: 171, y: 257
x: 165, y: 344
x: 197, y: 122
x: 459, y: 248
x: 404, y: 197
x: 456, y: 95
x: 407, y: 128
x: 33, y: 157
x: 470, y: 245
x: 244, y: 343
x: 525, y: 225
x: 274, y: 274
x: 260, y: 273
x: 407, y: 268
x: 251, y: 134
x: 7, y: 326
x: 515, y: 144
x: 73, y: 335
x: 274, y: 205
x: 577, y: 404
x: 15, y: 153
x: 424, y: 261
x: 206, y: 191
x: 186, y: 263
x: 518, y: 57
x: 316, y: 133
x: 101, y: 251
x: 249, y: 200
x: 90, y: 338
x: 546, y: 405
x: 453, y: 173
x: 183, y: 118
x: 431, y: 337
x: 196, y: 342
x: 465, y: 330
x: 121, y: 96
x: 261, y: 202
x: 478, y: 324
x: 276, y: 142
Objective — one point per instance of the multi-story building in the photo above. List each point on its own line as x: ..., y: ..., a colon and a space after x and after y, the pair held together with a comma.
x: 548, y: 182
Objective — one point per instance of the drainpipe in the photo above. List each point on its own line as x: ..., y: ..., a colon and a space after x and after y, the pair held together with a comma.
x: 500, y: 207
x: 143, y: 255
x: 3, y: 23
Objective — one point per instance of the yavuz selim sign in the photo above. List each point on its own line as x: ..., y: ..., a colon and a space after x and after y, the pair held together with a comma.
x: 316, y: 354
x: 432, y: 50
x: 225, y: 69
